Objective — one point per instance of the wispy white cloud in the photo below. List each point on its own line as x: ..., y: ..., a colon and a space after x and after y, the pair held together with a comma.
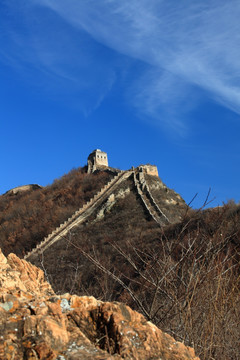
x: 46, y: 51
x: 186, y: 45
x: 163, y: 98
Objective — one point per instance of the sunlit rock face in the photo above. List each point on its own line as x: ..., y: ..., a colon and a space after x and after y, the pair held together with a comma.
x: 35, y: 323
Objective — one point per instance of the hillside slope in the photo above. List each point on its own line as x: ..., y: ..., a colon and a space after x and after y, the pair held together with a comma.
x: 178, y: 267
x: 27, y: 217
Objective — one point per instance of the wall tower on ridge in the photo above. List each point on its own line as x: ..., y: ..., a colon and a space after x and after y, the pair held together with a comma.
x: 97, y: 159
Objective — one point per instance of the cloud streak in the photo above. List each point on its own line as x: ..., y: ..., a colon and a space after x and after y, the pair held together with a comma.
x: 185, y: 46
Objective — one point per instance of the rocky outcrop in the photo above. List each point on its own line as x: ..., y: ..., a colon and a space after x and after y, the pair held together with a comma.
x: 35, y: 323
x: 23, y: 188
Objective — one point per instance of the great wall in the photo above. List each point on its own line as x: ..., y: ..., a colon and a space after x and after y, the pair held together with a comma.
x: 98, y: 160
x: 150, y: 204
x: 84, y: 212
x: 80, y: 215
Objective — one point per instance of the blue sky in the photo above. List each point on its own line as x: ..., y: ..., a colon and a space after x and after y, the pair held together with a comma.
x: 148, y: 81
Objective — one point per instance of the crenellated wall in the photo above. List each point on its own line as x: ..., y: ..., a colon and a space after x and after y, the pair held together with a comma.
x: 107, y: 193
x: 80, y: 215
x: 150, y: 204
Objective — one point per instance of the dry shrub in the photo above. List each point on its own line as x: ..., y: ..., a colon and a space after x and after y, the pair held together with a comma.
x: 186, y: 282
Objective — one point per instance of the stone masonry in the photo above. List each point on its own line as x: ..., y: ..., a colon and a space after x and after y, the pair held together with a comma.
x: 96, y: 159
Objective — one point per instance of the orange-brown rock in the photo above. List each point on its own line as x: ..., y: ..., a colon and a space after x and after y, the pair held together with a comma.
x: 35, y: 323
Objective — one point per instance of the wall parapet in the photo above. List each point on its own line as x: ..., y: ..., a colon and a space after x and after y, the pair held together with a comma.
x: 82, y: 213
x: 154, y: 202
x: 140, y: 193
x: 77, y: 216
x: 145, y: 192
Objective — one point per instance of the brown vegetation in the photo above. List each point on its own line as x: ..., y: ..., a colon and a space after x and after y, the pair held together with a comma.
x: 183, y: 277
x: 187, y: 282
x: 26, y: 218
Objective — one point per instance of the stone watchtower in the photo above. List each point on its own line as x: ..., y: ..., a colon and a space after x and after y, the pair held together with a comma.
x: 97, y: 159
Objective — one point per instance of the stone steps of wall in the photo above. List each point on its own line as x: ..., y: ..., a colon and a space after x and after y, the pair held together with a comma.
x: 142, y: 197
x: 148, y: 200
x: 79, y: 215
x: 155, y: 205
x: 152, y: 200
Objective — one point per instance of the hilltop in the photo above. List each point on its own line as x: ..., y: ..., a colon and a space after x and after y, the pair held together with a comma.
x: 28, y: 214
